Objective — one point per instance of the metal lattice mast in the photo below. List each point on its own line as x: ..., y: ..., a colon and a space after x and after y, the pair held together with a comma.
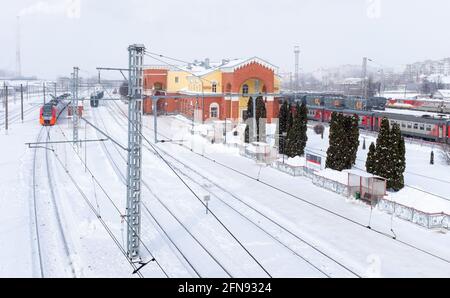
x: 75, y: 119
x: 134, y: 169
x: 297, y: 67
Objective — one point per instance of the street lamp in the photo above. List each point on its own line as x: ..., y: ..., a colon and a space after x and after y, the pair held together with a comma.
x: 381, y: 74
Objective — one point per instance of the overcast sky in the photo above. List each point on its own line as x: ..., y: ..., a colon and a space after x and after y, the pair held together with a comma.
x: 329, y: 32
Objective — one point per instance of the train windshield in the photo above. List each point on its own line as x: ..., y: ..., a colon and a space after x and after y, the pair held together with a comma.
x: 48, y: 110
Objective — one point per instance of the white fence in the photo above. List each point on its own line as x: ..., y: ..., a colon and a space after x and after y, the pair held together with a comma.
x: 320, y: 181
x: 427, y: 220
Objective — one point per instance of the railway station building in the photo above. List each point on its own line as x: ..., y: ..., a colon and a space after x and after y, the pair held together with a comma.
x: 213, y: 90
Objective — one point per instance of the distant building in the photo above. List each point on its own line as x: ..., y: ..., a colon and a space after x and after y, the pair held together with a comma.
x: 207, y: 81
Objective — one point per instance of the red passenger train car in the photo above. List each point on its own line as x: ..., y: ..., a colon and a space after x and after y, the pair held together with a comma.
x: 51, y: 111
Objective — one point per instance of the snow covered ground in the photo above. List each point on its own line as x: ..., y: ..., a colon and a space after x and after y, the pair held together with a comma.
x: 67, y: 219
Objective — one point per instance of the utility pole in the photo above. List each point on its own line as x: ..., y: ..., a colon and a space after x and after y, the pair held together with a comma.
x: 21, y: 101
x: 383, y: 82
x: 291, y: 86
x: 363, y: 77
x: 134, y: 169
x: 75, y: 119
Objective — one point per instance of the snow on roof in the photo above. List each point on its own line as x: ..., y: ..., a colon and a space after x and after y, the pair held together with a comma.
x: 361, y: 173
x: 200, y: 68
x: 419, y: 200
x: 296, y: 161
x: 401, y: 94
x: 340, y: 177
x: 413, y: 113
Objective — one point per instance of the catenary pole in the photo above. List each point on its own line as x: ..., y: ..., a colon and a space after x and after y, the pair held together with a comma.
x: 134, y: 169
x: 75, y: 119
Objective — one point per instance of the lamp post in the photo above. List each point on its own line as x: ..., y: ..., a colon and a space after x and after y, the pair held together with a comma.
x: 381, y: 74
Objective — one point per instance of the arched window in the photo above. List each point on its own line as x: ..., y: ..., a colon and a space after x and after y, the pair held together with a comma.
x: 214, y: 87
x: 214, y: 110
x: 245, y: 89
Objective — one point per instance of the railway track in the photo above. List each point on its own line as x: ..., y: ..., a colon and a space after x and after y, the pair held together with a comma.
x: 178, y: 220
x: 36, y: 221
x: 224, y: 196
x: 43, y: 208
x: 16, y: 117
x: 165, y: 233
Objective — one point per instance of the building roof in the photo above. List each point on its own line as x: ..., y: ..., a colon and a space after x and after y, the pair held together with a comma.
x: 202, y: 68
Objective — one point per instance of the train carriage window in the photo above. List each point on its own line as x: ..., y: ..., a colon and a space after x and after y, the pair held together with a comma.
x: 422, y: 126
x: 428, y: 127
x: 409, y: 125
x: 416, y: 126
x: 403, y: 125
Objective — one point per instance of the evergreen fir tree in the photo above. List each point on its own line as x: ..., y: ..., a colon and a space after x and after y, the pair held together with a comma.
x: 344, y: 142
x: 248, y: 115
x: 371, y: 160
x: 332, y: 152
x: 283, y: 118
x: 303, y: 128
x: 353, y: 141
x: 297, y: 135
x: 383, y: 153
x: 390, y: 155
x: 261, y: 115
x: 290, y: 122
x: 397, y: 180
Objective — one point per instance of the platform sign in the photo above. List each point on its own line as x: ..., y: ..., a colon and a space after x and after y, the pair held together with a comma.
x: 313, y: 161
